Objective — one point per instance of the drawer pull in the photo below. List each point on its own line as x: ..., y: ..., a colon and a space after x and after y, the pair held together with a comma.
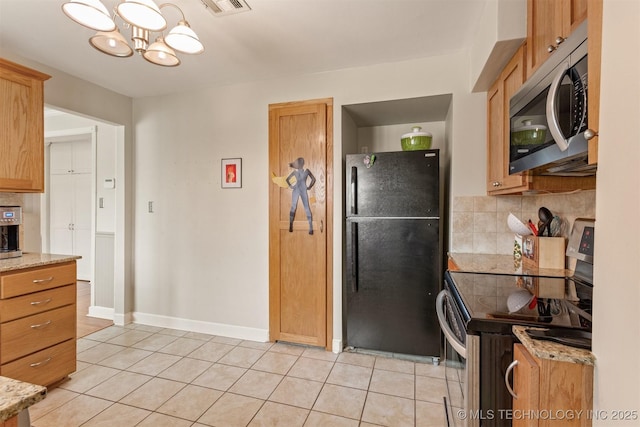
x: 41, y: 325
x: 47, y: 301
x: 44, y: 362
x: 48, y: 279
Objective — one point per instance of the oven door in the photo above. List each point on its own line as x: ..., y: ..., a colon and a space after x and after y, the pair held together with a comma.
x: 455, y: 354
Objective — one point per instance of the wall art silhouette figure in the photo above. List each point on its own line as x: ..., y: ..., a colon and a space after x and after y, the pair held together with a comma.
x: 300, y: 188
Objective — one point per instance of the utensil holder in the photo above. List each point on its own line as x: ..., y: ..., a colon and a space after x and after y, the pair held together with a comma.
x: 543, y: 252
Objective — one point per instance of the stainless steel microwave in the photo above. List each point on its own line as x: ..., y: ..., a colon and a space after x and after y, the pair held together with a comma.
x: 548, y: 115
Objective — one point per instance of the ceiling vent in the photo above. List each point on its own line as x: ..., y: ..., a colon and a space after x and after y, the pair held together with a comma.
x: 226, y: 7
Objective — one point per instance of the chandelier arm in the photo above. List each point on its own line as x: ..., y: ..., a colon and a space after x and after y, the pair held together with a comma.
x: 176, y: 6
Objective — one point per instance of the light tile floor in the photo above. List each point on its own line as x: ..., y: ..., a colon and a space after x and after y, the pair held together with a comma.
x: 147, y: 376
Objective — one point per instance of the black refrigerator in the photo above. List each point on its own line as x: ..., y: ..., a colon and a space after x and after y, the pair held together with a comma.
x: 393, y: 262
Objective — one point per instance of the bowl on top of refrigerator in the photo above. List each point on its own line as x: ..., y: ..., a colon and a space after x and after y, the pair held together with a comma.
x: 416, y: 140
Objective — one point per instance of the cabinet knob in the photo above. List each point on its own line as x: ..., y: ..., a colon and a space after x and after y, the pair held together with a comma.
x: 551, y: 48
x: 559, y: 40
x: 590, y: 134
x: 496, y: 184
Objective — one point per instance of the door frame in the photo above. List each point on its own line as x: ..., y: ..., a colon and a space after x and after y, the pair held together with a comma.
x: 329, y: 214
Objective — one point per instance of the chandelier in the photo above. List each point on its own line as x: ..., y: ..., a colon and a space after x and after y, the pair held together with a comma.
x: 142, y: 17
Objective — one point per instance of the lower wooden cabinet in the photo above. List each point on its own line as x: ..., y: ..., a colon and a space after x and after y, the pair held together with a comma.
x: 550, y: 392
x: 38, y: 323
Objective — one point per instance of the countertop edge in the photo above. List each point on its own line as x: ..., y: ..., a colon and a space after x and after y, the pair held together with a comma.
x: 497, y: 264
x: 17, y: 396
x: 553, y: 351
x: 33, y: 259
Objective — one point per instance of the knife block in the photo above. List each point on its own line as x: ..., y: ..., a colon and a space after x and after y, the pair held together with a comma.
x: 543, y: 252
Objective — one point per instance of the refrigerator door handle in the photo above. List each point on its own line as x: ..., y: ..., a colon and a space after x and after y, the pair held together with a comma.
x: 354, y: 190
x: 354, y: 257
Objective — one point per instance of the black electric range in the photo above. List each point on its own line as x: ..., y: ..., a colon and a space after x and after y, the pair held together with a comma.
x: 483, y: 301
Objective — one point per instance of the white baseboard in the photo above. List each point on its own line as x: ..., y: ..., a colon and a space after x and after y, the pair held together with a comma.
x: 101, y: 312
x: 231, y: 331
x: 336, y: 346
x: 123, y: 319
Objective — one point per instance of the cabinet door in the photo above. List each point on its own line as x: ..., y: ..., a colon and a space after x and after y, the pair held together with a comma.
x: 71, y: 157
x: 511, y: 79
x: 544, y: 25
x: 526, y: 380
x: 573, y: 14
x: 21, y: 135
x: 495, y: 144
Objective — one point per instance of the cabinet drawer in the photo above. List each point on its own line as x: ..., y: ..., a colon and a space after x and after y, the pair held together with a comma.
x: 37, y: 302
x: 38, y: 279
x: 30, y: 334
x: 44, y: 367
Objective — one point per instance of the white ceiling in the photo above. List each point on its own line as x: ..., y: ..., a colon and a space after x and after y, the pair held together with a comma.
x: 276, y: 38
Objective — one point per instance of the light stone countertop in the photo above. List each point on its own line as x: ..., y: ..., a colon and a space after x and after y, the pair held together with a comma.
x: 33, y: 259
x: 544, y: 349
x: 497, y: 264
x: 17, y: 395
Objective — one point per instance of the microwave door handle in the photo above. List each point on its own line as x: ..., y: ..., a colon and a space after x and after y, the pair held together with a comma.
x: 552, y: 119
x: 457, y: 345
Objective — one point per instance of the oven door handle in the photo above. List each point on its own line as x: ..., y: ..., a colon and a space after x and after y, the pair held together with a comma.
x: 457, y: 345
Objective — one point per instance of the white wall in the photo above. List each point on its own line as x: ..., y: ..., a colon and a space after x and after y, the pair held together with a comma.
x: 616, y: 327
x: 202, y: 256
x: 387, y: 138
x: 71, y: 94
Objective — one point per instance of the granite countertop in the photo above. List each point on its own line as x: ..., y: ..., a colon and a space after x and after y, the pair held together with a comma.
x: 33, y: 259
x: 543, y: 349
x: 17, y: 395
x: 497, y: 264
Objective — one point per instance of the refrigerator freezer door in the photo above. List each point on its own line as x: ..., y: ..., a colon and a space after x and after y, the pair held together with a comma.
x: 397, y: 184
x: 392, y: 280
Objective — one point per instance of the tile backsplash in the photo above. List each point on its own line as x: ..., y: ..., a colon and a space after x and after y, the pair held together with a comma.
x: 11, y: 199
x: 479, y: 223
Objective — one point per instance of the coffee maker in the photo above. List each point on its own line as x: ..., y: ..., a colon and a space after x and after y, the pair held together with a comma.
x: 10, y: 220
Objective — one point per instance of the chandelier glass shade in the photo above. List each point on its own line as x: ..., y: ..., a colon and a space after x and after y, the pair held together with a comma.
x: 141, y: 17
x: 161, y: 54
x: 90, y: 13
x: 112, y: 43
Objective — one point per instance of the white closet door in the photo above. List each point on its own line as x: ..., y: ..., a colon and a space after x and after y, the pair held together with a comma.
x: 81, y: 154
x: 70, y: 202
x: 61, y: 158
x: 82, y: 224
x: 61, y: 214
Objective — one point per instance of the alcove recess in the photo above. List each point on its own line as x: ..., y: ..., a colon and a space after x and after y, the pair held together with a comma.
x: 374, y: 127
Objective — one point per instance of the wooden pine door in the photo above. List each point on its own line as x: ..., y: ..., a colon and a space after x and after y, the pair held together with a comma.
x: 300, y: 244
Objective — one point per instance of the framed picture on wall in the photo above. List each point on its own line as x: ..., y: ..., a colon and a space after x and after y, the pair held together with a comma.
x: 231, y: 173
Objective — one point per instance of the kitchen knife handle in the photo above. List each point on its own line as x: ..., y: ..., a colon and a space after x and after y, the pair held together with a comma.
x: 354, y: 190
x: 354, y: 257
x: 506, y: 378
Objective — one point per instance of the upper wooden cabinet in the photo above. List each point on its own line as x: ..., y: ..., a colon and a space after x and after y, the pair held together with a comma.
x: 549, y: 22
x: 22, y: 129
x: 498, y: 179
x: 558, y: 17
